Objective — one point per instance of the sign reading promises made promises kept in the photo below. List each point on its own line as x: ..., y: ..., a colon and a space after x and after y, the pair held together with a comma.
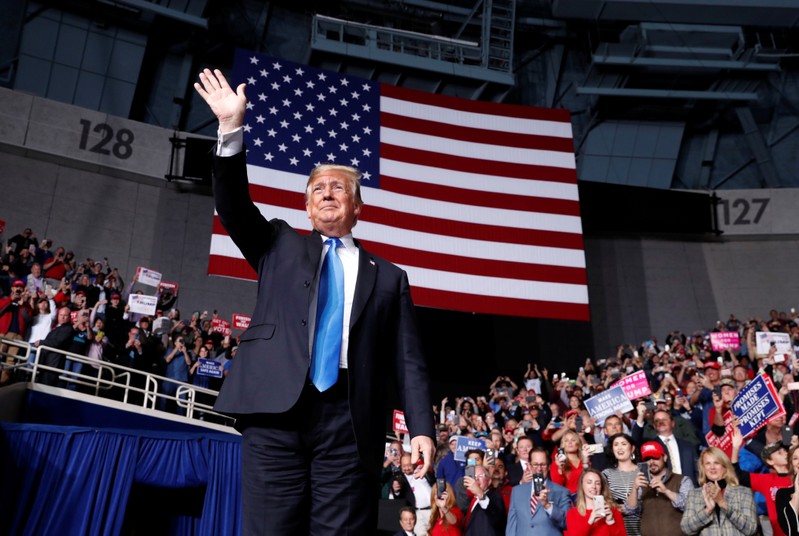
x: 756, y: 404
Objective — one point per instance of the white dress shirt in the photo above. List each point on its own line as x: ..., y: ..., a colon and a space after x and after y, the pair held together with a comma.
x: 674, y: 453
x: 232, y: 143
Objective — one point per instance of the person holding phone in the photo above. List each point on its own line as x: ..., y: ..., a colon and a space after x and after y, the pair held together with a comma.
x: 682, y: 457
x: 594, y: 512
x: 486, y: 514
x: 568, y: 461
x: 15, y: 317
x: 446, y: 519
x: 621, y: 475
x: 719, y: 505
x: 659, y: 494
x: 538, y: 507
x: 178, y: 362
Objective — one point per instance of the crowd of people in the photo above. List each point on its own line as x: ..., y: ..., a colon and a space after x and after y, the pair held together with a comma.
x: 676, y: 464
x: 49, y: 298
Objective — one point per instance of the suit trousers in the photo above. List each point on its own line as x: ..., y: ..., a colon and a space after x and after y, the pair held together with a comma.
x: 301, y: 473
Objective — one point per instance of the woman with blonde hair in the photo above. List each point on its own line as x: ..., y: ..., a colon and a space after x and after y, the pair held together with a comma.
x: 446, y: 519
x: 569, y: 461
x: 788, y: 498
x: 594, y: 512
x: 719, y: 506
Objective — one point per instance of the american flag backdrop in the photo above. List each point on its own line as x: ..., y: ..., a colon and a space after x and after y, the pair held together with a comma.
x: 477, y: 201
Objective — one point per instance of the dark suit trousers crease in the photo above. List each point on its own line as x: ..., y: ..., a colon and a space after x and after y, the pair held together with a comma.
x: 301, y: 473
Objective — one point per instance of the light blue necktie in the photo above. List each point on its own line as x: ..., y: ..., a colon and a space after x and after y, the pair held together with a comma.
x: 329, y: 319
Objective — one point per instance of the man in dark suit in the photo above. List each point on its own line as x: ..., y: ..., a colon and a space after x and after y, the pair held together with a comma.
x: 486, y: 513
x: 59, y: 337
x: 516, y: 472
x: 331, y: 324
x: 548, y: 517
x: 407, y: 521
x: 682, y: 455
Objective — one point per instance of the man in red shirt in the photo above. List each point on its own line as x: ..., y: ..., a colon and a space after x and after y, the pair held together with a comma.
x: 15, y: 315
x: 775, y: 455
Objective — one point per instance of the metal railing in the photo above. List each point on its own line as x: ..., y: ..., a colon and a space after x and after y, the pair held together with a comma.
x: 110, y: 381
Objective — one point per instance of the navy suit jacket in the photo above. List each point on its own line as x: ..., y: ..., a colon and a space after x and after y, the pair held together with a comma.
x: 521, y: 523
x: 273, y: 359
x: 490, y: 520
x: 515, y: 473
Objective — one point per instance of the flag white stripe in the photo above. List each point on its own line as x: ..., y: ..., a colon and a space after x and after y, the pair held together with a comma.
x: 443, y: 209
x: 477, y: 181
x: 429, y: 174
x: 426, y: 241
x: 457, y: 282
x: 539, y: 127
x: 482, y: 151
x: 495, y: 286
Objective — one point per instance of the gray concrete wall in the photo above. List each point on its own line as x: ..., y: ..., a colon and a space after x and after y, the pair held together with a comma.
x: 640, y: 288
x: 133, y: 223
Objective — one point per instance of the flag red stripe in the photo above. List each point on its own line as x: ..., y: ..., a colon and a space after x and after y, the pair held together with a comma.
x: 465, y: 105
x: 230, y: 267
x: 466, y: 196
x: 475, y: 165
x: 429, y: 224
x: 481, y: 267
x: 477, y: 135
x: 464, y: 265
x: 441, y: 299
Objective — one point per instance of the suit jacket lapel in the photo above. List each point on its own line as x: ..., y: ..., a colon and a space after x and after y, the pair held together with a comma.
x: 313, y: 248
x: 367, y: 275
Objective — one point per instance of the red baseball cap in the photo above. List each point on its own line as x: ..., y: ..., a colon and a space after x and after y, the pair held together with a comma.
x: 713, y: 365
x: 651, y: 450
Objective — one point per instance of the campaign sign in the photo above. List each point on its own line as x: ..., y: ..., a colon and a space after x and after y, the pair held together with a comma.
x: 220, y: 326
x: 399, y: 422
x: 145, y: 305
x: 241, y: 321
x: 148, y: 277
x: 724, y: 442
x: 608, y: 403
x: 209, y: 367
x: 782, y: 341
x: 725, y: 340
x: 466, y: 444
x: 168, y: 287
x: 756, y: 404
x: 635, y: 385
